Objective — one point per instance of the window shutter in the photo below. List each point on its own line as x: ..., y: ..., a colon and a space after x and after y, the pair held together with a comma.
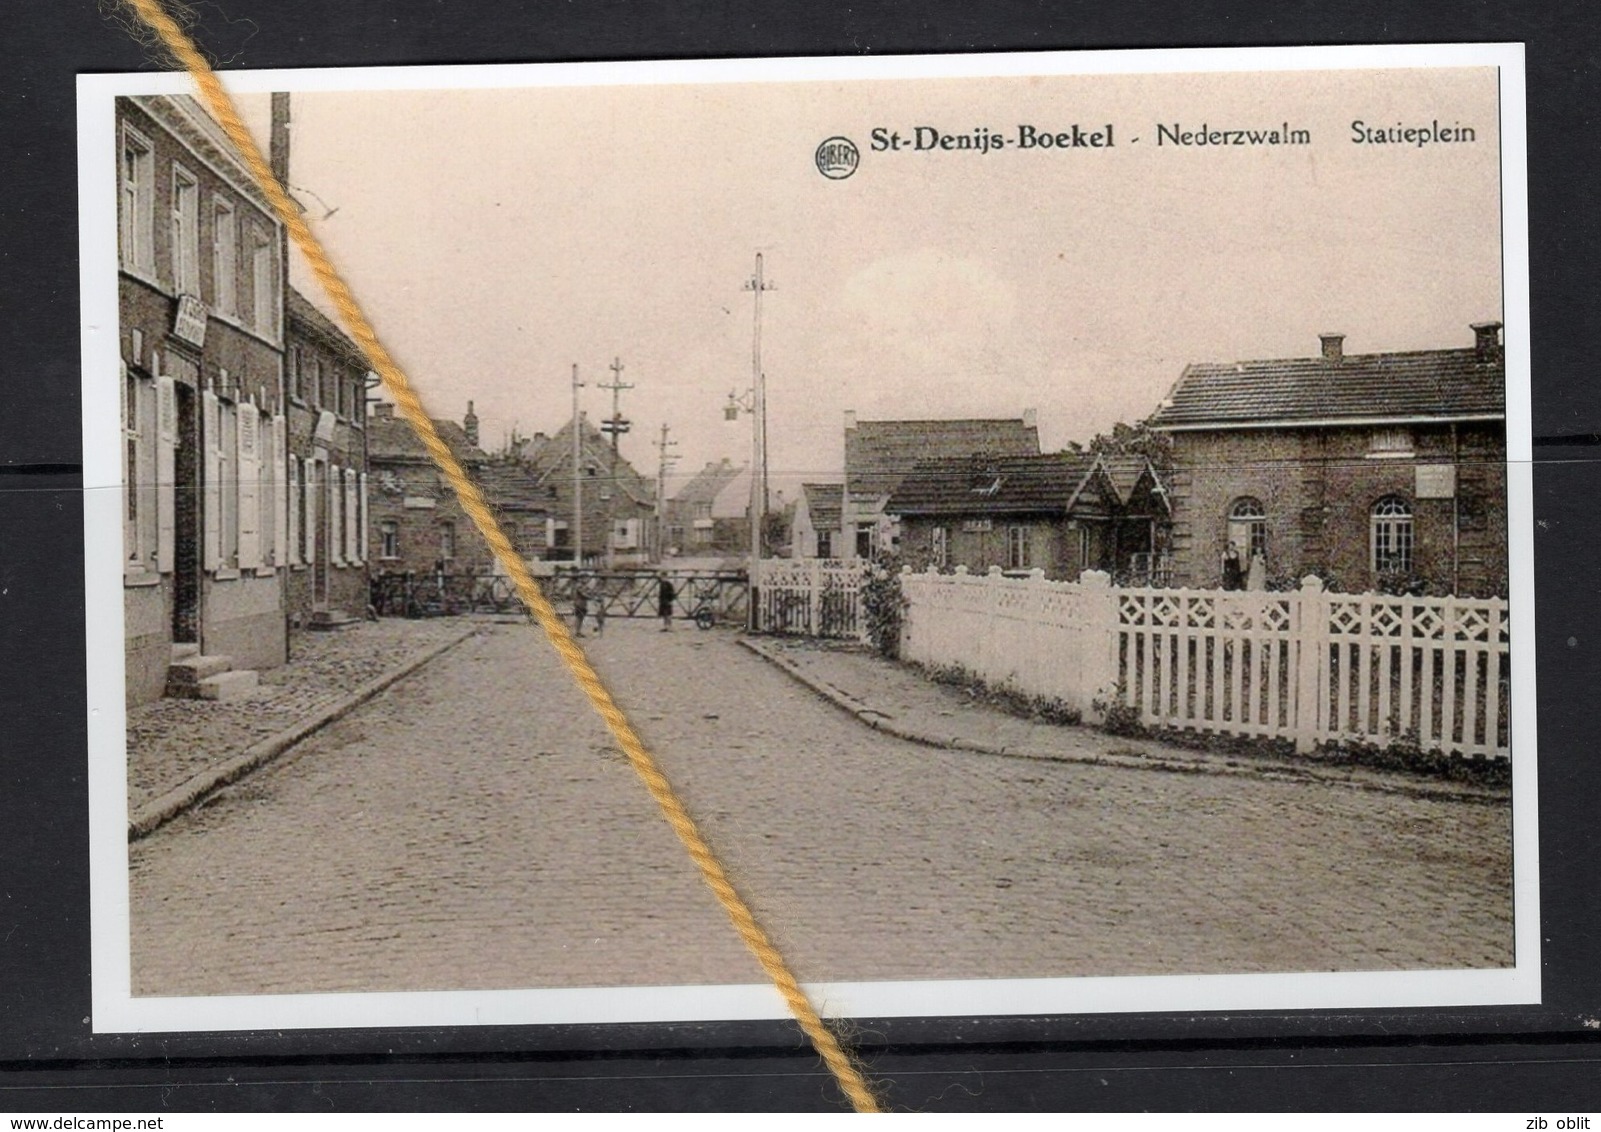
x: 249, y: 448
x: 351, y: 507
x: 211, y: 420
x: 293, y: 555
x: 308, y: 486
x: 166, y: 473
x: 336, y: 529
x: 362, y: 549
x: 285, y: 497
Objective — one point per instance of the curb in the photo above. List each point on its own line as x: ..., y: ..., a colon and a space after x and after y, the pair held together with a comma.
x: 185, y: 796
x: 879, y: 721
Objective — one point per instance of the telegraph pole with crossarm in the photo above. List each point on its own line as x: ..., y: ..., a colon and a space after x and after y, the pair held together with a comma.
x: 665, y: 460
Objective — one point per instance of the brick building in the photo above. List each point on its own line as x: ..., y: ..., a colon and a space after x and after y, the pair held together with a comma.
x: 879, y: 454
x: 532, y: 486
x: 416, y: 525
x: 326, y: 379
x: 710, y: 513
x: 1374, y: 471
x: 1063, y: 514
x: 201, y: 314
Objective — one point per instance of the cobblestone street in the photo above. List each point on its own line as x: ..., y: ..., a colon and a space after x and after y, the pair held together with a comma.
x: 171, y: 739
x: 473, y: 827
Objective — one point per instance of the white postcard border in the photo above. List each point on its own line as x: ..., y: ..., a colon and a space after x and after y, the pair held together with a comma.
x: 115, y: 1009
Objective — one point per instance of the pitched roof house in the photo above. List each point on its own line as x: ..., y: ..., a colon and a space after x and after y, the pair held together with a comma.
x: 880, y: 454
x: 1374, y: 471
x: 532, y: 485
x: 417, y: 525
x: 816, y: 529
x: 1062, y: 513
x: 709, y: 514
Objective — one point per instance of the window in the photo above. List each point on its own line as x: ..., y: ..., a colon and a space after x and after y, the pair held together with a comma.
x: 825, y: 544
x: 185, y: 232
x: 264, y: 280
x: 224, y: 258
x: 864, y: 540
x: 135, y: 228
x: 940, y: 547
x: 297, y: 365
x: 447, y: 541
x: 1248, y: 528
x: 1017, y: 548
x: 311, y: 383
x: 1392, y: 536
x: 1390, y: 442
x: 389, y: 539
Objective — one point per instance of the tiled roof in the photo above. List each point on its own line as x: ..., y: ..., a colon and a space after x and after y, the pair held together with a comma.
x: 1125, y: 473
x: 708, y: 483
x: 301, y: 311
x: 509, y: 485
x: 393, y: 439
x: 825, y: 503
x: 1422, y: 383
x: 551, y: 460
x: 1010, y: 484
x: 879, y: 454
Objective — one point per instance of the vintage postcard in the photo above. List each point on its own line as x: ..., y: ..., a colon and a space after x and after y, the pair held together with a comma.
x: 1062, y: 522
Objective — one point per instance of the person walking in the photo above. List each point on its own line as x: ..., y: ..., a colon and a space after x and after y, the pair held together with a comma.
x: 665, y: 595
x: 599, y: 612
x: 580, y: 607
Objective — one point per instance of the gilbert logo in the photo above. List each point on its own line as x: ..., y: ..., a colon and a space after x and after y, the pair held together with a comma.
x: 837, y: 158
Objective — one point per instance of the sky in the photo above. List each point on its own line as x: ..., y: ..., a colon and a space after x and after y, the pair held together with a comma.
x: 498, y: 237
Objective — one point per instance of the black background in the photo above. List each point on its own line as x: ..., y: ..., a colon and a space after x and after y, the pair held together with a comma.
x: 1517, y: 1059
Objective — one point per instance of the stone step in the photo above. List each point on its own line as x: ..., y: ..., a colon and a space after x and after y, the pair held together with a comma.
x: 228, y: 685
x: 180, y: 650
x: 327, y: 620
x: 193, y: 669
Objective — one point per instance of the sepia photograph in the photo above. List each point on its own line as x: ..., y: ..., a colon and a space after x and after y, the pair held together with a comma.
x: 1058, y: 522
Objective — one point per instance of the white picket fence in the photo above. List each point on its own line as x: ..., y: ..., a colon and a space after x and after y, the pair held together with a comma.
x: 812, y: 597
x: 1308, y: 665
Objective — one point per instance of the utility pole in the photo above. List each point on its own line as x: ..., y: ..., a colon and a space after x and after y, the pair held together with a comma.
x: 616, y: 425
x: 665, y: 460
x: 578, y: 475
x: 756, y: 284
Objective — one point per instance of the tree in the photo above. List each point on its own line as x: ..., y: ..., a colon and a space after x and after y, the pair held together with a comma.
x: 1137, y: 439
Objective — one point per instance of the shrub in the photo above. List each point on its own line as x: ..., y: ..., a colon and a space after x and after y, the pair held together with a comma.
x: 1004, y: 697
x: 1118, y: 716
x: 884, y: 606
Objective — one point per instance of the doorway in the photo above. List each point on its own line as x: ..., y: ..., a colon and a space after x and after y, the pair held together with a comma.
x: 186, y: 520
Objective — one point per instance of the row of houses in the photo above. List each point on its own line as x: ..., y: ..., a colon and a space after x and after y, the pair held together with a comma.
x: 266, y: 489
x: 242, y: 408
x: 1372, y: 471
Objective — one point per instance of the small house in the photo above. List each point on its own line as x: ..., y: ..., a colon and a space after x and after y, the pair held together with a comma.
x: 1062, y: 513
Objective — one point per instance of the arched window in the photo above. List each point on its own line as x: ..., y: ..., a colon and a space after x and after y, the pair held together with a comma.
x: 1248, y: 526
x: 1392, y: 536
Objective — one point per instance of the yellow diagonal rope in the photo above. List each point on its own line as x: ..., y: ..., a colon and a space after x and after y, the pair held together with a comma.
x: 222, y: 108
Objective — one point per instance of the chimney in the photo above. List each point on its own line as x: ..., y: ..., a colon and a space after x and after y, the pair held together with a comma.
x: 383, y: 411
x: 850, y: 419
x: 1487, y: 341
x: 1031, y: 418
x: 278, y: 138
x: 1333, y: 346
x: 469, y: 425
